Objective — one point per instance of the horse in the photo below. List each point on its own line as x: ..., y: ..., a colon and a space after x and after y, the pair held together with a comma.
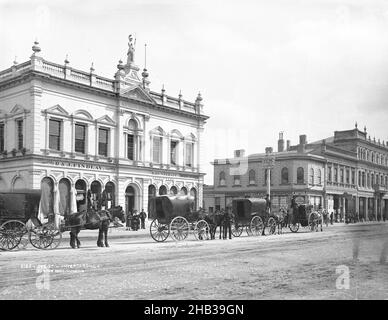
x: 281, y: 218
x: 318, y: 220
x: 215, y: 220
x: 93, y: 220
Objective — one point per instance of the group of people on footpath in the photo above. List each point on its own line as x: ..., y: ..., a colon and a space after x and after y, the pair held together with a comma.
x: 135, y: 220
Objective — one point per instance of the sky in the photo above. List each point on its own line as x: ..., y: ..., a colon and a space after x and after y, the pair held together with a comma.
x: 297, y: 66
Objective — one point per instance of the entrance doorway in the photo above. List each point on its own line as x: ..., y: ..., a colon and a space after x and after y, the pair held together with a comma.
x: 129, y: 199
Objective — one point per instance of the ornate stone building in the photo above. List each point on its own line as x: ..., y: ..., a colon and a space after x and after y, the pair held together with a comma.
x: 80, y: 137
x: 347, y: 172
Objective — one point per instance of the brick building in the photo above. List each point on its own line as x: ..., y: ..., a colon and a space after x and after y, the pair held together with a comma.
x: 347, y: 172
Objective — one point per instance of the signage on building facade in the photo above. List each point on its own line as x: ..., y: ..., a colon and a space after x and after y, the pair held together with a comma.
x: 72, y: 164
x: 170, y: 174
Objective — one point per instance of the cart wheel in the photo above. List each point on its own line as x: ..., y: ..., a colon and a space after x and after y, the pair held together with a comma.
x: 312, y: 222
x: 294, y: 227
x: 271, y: 225
x: 202, y: 230
x: 256, y: 226
x: 236, y: 229
x: 248, y: 231
x: 179, y: 228
x: 45, y: 237
x: 11, y: 233
x: 159, y: 232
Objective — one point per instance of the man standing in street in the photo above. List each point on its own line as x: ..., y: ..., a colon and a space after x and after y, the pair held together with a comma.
x: 227, y: 223
x: 143, y: 216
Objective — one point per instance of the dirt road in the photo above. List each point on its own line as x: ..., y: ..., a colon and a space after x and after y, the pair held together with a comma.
x: 305, y: 265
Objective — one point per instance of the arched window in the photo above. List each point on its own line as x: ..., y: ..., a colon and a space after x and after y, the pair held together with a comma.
x: 284, y: 176
x: 162, y: 190
x: 363, y: 179
x: 329, y: 174
x: 173, y: 190
x: 300, y: 175
x: 252, y: 177
x: 222, y: 181
x: 157, y: 145
x: 312, y: 176
x: 319, y: 177
x: 184, y: 190
x: 133, y: 141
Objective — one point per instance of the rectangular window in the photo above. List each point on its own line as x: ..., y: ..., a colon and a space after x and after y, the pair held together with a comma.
x: 342, y: 175
x: 131, y: 147
x: 103, y: 138
x: 19, y: 125
x: 189, y: 154
x: 347, y: 179
x: 329, y: 174
x: 2, y: 138
x: 55, y: 134
x: 80, y: 137
x: 157, y: 150
x: 173, y: 152
x: 335, y: 175
x: 353, y: 177
x: 217, y: 203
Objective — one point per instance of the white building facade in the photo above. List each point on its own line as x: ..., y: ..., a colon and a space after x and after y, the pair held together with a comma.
x: 81, y: 138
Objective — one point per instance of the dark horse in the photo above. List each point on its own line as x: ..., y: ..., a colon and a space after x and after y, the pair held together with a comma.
x: 93, y: 220
x: 215, y: 220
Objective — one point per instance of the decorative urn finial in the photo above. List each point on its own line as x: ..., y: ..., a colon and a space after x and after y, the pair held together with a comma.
x: 36, y: 47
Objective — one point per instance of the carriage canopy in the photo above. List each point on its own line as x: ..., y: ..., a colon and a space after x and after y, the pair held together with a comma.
x: 167, y: 207
x: 244, y: 208
x: 20, y: 204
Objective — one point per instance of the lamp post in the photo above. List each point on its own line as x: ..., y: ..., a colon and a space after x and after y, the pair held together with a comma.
x: 269, y: 163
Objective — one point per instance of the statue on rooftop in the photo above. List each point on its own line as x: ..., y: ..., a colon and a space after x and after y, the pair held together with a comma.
x: 131, y: 50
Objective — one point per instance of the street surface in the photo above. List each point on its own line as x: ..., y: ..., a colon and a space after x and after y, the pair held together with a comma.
x: 305, y: 265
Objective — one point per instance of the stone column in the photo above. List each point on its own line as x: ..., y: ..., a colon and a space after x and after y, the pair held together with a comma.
x: 366, y: 209
x: 357, y: 206
x: 375, y: 206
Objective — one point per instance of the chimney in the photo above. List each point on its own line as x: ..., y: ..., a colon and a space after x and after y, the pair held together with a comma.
x: 302, y: 143
x: 239, y: 153
x: 280, y: 142
x: 302, y: 139
x: 268, y: 150
x: 288, y: 145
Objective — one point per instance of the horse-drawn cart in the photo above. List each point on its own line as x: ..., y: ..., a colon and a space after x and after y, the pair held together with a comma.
x: 251, y: 214
x: 304, y: 215
x: 19, y: 223
x: 175, y: 216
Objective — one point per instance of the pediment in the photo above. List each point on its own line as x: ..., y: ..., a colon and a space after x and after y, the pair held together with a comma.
x: 83, y: 114
x: 57, y: 109
x: 106, y: 119
x: 17, y: 109
x: 138, y: 93
x: 132, y: 76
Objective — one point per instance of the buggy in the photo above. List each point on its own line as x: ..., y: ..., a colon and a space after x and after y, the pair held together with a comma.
x: 175, y: 216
